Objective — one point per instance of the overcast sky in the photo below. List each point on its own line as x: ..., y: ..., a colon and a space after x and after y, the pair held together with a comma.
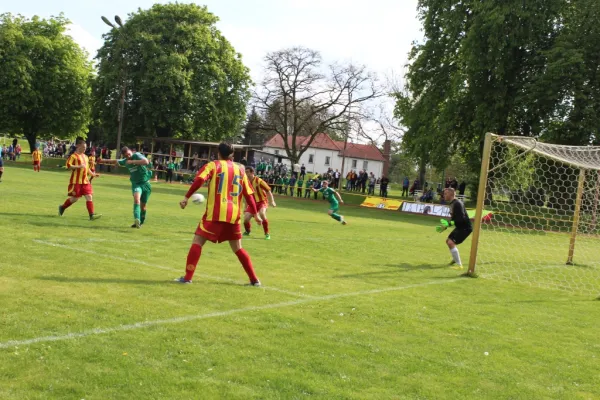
x: 376, y: 33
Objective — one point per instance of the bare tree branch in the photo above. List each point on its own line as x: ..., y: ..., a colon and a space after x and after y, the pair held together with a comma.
x: 297, y: 100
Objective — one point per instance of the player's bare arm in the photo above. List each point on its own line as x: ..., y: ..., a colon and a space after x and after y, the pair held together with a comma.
x: 105, y: 161
x: 339, y: 197
x: 272, y: 198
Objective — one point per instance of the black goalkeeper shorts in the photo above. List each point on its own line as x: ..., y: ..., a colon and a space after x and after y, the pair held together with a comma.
x: 459, y: 235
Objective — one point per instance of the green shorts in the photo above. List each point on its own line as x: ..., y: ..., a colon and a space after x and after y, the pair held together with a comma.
x: 334, y: 207
x: 145, y: 190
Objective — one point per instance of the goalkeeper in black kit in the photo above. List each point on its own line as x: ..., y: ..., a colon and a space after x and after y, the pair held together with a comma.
x: 463, y: 228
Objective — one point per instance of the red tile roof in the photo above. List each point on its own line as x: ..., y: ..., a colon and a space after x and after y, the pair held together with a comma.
x: 323, y: 141
x: 366, y: 151
x: 277, y: 141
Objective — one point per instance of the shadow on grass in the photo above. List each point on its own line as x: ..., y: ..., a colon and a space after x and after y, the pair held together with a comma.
x: 94, y: 225
x: 29, y: 214
x: 173, y: 190
x: 105, y: 280
x: 394, y: 268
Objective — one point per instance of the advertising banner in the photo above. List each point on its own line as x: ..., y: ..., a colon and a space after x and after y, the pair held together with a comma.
x: 438, y: 210
x: 385, y: 204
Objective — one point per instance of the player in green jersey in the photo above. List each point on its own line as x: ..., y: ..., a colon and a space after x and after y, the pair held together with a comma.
x: 140, y: 175
x: 334, y: 199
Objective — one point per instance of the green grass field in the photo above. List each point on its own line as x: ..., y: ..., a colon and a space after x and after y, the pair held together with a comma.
x: 364, y: 311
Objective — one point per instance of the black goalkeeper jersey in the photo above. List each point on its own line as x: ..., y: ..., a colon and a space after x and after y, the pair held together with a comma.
x: 459, y: 215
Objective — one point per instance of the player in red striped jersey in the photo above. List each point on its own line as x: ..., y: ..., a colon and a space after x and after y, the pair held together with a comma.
x: 261, y: 191
x: 79, y: 184
x: 221, y: 221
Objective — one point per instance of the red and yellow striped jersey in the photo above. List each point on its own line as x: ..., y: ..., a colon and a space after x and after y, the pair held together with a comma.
x: 79, y: 175
x: 228, y: 181
x: 260, y: 189
x: 92, y: 162
x: 36, y: 155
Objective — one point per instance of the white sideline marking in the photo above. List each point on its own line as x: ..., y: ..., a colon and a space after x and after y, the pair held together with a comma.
x: 176, y: 320
x: 135, y: 261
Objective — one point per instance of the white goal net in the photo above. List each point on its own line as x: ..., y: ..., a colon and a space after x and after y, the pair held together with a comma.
x: 540, y: 221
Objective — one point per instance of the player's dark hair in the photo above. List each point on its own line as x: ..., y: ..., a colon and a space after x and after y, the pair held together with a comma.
x: 225, y: 150
x: 79, y: 140
x: 251, y: 169
x: 124, y: 149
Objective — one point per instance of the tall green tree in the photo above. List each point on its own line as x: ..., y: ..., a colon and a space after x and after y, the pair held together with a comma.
x: 44, y: 79
x: 509, y: 67
x: 252, y: 130
x: 182, y: 77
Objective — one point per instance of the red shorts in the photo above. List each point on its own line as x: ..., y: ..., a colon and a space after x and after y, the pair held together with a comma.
x: 79, y: 190
x: 36, y: 163
x: 259, y: 206
x: 93, y: 170
x: 219, y: 232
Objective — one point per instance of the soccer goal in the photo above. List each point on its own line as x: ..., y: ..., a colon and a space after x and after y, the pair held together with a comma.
x: 537, y: 216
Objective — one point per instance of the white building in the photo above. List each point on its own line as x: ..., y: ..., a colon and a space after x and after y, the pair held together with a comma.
x: 325, y: 153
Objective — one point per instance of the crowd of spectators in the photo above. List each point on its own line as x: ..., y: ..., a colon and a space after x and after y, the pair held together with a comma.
x: 12, y: 152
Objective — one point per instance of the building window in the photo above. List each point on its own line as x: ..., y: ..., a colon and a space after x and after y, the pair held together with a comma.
x: 365, y: 165
x: 311, y: 158
x: 276, y: 152
x: 354, y: 163
x: 327, y: 160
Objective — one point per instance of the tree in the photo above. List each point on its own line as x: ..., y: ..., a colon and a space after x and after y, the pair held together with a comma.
x: 298, y: 100
x: 44, y: 79
x: 182, y: 77
x: 252, y: 130
x: 481, y: 69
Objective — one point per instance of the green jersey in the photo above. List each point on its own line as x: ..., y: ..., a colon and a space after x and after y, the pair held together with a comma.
x: 139, y: 174
x: 171, y: 165
x: 309, y: 183
x: 279, y: 181
x: 329, y: 194
x: 286, y: 181
x: 300, y: 183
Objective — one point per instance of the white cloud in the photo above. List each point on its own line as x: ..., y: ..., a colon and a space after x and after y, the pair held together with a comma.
x: 86, y: 40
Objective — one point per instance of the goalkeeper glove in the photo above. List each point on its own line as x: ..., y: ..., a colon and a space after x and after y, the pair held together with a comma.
x: 447, y: 223
x: 440, y: 228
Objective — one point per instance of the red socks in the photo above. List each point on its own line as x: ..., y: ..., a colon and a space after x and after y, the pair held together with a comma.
x: 192, y: 261
x: 265, y: 225
x: 247, y: 226
x: 90, y: 207
x: 194, y: 256
x: 66, y: 204
x: 247, y: 264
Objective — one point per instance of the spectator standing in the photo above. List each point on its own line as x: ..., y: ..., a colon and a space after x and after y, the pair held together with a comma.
x: 292, y: 184
x: 405, y: 185
x: 195, y: 163
x: 300, y: 185
x: 308, y: 186
x: 461, y: 188
x: 170, y: 169
x: 336, y: 179
x: 316, y: 186
x: 372, y: 184
x: 383, y: 189
x: 454, y: 184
